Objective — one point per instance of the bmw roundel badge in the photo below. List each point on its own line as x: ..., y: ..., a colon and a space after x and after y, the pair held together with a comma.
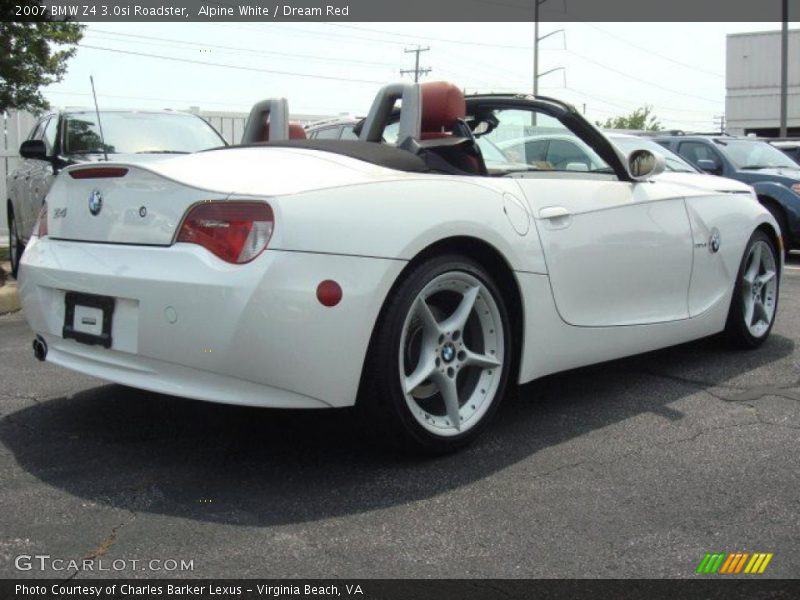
x: 95, y: 202
x: 714, y: 241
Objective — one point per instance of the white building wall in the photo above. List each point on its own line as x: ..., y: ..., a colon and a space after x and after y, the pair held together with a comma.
x: 753, y: 81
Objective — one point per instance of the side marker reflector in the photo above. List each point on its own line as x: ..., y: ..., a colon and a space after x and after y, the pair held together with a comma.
x: 329, y: 293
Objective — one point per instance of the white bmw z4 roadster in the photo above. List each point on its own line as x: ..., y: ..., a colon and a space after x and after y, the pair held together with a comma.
x: 401, y: 272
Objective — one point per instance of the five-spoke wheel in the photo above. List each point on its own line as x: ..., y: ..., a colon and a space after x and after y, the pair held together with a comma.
x: 755, y: 299
x: 451, y: 353
x: 439, y: 360
x: 759, y: 289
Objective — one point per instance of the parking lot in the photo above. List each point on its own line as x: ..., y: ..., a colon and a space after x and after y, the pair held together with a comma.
x: 634, y: 468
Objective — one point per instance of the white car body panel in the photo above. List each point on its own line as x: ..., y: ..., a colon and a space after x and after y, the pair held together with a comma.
x: 610, y: 279
x: 704, y: 181
x: 243, y: 323
x: 602, y: 273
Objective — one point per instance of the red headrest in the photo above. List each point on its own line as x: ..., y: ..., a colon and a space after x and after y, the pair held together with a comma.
x: 442, y: 105
x: 296, y: 131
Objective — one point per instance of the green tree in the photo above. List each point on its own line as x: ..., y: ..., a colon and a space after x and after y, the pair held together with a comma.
x: 641, y: 119
x: 33, y: 55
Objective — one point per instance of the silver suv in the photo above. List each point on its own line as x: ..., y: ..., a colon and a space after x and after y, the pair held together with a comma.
x: 65, y: 137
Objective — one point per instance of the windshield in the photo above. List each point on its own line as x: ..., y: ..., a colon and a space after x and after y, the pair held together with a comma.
x: 674, y: 162
x: 755, y: 154
x: 138, y: 132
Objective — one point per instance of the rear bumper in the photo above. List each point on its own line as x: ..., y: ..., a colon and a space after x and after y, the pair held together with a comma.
x: 188, y: 324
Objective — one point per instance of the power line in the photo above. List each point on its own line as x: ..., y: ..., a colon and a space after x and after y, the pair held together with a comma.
x: 191, y: 102
x: 529, y: 48
x: 294, y: 31
x: 639, y: 80
x: 648, y: 51
x: 226, y: 66
x: 477, y: 43
x: 242, y: 49
x: 423, y: 37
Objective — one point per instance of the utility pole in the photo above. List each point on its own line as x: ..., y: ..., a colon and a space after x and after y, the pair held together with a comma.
x: 719, y: 121
x: 536, y: 4
x: 536, y: 39
x: 784, y: 68
x: 417, y: 71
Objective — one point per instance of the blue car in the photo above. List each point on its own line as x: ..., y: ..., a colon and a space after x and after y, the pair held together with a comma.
x: 775, y: 176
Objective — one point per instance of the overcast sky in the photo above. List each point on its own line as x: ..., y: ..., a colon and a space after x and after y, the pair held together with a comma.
x: 611, y: 68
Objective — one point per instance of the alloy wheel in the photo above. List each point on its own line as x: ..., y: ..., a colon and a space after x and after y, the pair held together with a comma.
x: 759, y: 289
x: 451, y: 353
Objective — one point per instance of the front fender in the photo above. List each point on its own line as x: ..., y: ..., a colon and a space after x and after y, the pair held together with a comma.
x: 787, y: 199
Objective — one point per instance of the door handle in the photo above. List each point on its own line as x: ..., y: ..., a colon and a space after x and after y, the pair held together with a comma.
x: 554, y: 212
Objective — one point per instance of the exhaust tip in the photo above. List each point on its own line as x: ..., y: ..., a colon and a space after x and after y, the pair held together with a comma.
x: 39, y: 348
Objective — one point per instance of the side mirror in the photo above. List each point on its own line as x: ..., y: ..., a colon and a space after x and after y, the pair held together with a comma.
x: 709, y: 166
x: 33, y: 149
x: 643, y: 164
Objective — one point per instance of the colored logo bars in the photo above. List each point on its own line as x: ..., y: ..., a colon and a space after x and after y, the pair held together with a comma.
x: 734, y: 563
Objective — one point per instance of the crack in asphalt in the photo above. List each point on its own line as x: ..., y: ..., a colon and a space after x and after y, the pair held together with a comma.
x: 745, y: 394
x: 103, y: 547
x: 620, y: 457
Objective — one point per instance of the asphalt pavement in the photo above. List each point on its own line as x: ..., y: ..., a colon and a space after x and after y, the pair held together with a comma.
x: 634, y: 468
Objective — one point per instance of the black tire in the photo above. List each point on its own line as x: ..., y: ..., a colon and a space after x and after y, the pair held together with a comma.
x: 780, y: 216
x: 14, y: 245
x: 382, y: 401
x: 736, y: 329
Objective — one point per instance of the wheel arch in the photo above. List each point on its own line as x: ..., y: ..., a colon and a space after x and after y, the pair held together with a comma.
x: 495, y: 263
x: 773, y: 235
x: 766, y: 199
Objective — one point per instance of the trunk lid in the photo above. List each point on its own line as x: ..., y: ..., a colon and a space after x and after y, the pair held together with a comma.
x: 139, y: 207
x: 147, y: 204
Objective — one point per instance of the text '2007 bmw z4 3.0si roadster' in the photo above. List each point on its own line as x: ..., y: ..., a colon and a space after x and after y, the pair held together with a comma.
x: 416, y: 272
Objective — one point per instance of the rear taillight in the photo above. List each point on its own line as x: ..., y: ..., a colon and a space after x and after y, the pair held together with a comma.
x: 40, y: 227
x: 98, y: 172
x: 236, y: 232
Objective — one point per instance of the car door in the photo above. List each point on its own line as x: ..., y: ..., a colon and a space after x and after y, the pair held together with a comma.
x: 22, y: 186
x: 695, y: 151
x: 618, y: 252
x: 41, y: 173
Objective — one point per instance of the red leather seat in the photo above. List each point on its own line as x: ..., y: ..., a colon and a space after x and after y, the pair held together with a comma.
x: 442, y: 107
x: 443, y: 112
x: 296, y: 131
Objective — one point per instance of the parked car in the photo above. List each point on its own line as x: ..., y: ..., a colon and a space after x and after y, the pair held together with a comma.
x: 405, y: 279
x: 63, y: 138
x: 775, y: 177
x: 628, y: 143
x: 338, y: 128
x: 678, y: 170
x: 790, y: 148
x: 555, y: 152
x: 568, y: 153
